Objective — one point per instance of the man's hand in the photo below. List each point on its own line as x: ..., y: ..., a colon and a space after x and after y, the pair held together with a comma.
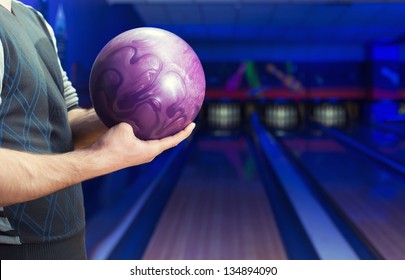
x: 119, y: 145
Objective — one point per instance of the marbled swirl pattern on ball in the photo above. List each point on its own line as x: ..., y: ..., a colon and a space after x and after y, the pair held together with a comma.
x: 151, y: 79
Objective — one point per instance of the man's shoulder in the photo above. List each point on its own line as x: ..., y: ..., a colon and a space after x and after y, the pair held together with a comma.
x: 29, y: 8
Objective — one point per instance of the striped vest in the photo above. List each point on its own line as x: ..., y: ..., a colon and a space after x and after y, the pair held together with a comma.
x: 33, y: 118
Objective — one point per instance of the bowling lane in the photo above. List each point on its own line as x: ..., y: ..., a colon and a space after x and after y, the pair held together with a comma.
x: 394, y: 127
x: 218, y: 209
x: 366, y: 193
x: 387, y: 143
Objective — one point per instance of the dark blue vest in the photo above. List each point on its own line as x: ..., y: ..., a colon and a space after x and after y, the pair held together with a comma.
x: 33, y: 118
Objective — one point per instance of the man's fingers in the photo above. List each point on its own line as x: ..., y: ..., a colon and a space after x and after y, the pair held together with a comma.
x: 172, y: 141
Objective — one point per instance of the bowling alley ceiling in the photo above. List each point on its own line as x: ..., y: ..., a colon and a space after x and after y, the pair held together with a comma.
x: 276, y: 21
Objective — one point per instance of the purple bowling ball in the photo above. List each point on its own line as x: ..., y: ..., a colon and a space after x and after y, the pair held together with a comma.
x: 149, y: 78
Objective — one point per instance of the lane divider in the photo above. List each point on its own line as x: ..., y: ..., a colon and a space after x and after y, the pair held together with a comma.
x: 106, y: 246
x: 325, y: 236
x: 364, y: 149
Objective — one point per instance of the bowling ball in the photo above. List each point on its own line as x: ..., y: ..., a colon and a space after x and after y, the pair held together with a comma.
x: 149, y: 78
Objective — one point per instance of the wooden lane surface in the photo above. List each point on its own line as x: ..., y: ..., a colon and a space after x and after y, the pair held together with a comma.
x: 370, y: 196
x: 218, y: 210
x: 380, y: 219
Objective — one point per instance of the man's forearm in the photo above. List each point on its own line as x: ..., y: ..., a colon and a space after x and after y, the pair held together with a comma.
x: 26, y: 176
x: 86, y: 127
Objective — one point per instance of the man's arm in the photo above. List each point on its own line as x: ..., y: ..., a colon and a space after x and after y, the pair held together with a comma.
x: 1, y: 67
x: 25, y: 176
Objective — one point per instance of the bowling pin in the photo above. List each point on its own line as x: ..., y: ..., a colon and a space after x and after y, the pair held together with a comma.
x: 323, y: 110
x: 236, y: 115
x: 229, y: 114
x: 222, y: 115
x: 233, y: 124
x: 225, y: 115
x: 322, y: 120
x: 216, y: 115
x: 316, y: 113
x: 338, y: 115
x: 211, y: 114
